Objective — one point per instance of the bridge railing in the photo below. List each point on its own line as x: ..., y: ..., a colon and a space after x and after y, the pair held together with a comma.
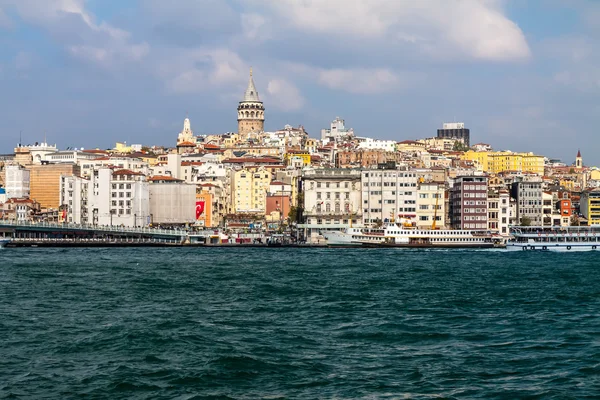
x: 115, y: 229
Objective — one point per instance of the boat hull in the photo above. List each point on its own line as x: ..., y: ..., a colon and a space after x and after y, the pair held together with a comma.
x: 556, y: 247
x: 434, y: 246
x: 3, y: 243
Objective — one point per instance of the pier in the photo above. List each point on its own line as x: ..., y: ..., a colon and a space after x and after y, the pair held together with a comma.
x: 45, y: 234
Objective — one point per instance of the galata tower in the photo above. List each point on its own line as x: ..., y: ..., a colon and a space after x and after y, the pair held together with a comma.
x: 251, y: 112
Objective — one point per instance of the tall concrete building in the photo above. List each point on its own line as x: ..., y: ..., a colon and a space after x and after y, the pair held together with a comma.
x: 388, y: 195
x: 251, y: 111
x: 17, y: 181
x: 172, y: 201
x: 106, y: 198
x: 455, y: 130
x: 469, y: 203
x: 45, y: 181
x: 528, y: 194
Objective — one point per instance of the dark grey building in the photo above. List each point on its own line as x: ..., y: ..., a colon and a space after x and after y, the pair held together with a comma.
x: 455, y: 130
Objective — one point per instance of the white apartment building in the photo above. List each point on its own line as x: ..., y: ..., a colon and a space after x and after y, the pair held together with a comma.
x: 388, y: 194
x: 499, y: 211
x: 106, y: 198
x: 16, y: 181
x: 332, y: 200
x: 130, y: 163
x: 336, y: 131
x: 373, y: 144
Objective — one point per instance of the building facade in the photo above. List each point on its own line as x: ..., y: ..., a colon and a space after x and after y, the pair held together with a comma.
x: 528, y: 195
x: 431, y: 208
x: 172, y: 201
x: 388, y: 195
x: 590, y: 206
x: 16, y: 181
x: 45, y: 183
x: 249, y: 190
x: 455, y: 130
x: 119, y: 198
x: 332, y: 200
x: 469, y: 203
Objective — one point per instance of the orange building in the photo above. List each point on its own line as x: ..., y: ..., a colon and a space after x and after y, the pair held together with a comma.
x: 275, y: 202
x: 204, y: 202
x: 44, y: 183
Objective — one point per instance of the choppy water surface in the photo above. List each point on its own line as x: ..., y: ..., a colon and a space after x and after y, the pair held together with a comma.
x: 298, y: 323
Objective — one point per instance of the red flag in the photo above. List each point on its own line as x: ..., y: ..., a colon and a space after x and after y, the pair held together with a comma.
x: 199, y: 208
x: 64, y: 215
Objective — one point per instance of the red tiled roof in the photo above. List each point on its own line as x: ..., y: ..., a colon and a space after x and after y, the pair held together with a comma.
x: 188, y: 163
x: 96, y: 151
x: 164, y: 178
x: 126, y: 172
x: 251, y: 160
x: 186, y: 144
x: 410, y: 142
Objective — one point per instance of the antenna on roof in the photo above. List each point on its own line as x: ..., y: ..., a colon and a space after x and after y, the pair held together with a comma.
x: 20, y: 139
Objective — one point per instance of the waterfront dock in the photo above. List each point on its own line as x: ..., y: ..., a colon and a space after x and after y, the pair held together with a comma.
x: 27, y: 234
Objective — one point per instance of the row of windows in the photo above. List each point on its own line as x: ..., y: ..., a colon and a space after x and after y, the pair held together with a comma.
x: 475, y: 218
x: 337, y: 195
x: 388, y: 184
x: 329, y: 184
x: 390, y: 174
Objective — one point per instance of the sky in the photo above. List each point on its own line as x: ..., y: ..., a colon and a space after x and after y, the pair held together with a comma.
x: 523, y: 75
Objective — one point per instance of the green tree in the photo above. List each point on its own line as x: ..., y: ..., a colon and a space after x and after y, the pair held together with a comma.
x: 525, y: 221
x: 460, y: 146
x: 575, y: 221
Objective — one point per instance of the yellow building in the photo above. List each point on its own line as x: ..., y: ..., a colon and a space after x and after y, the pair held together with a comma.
x: 249, y: 190
x: 305, y: 156
x: 122, y: 148
x: 590, y: 206
x: 430, y: 205
x: 495, y: 162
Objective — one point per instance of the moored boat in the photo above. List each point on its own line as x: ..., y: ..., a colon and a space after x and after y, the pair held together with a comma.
x: 406, y: 234
x: 556, y: 238
x: 4, y: 242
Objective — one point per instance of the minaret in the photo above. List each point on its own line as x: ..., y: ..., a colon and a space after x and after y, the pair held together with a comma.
x: 251, y: 112
x: 578, y: 160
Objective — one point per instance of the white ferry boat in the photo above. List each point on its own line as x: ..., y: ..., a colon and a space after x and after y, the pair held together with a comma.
x: 405, y: 234
x: 4, y: 242
x: 557, y: 238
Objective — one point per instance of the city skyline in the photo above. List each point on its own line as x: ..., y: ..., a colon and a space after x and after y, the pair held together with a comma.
x: 520, y: 75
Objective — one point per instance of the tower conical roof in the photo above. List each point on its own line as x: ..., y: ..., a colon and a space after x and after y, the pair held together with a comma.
x: 251, y: 92
x: 578, y: 153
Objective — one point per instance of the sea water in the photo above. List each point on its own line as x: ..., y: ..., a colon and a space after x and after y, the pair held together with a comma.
x: 298, y: 323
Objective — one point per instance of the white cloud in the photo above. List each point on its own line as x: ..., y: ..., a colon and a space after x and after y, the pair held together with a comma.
x: 192, y: 71
x: 360, y: 80
x: 356, y: 80
x: 284, y: 95
x: 477, y: 29
x: 76, y: 29
x: 254, y: 26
